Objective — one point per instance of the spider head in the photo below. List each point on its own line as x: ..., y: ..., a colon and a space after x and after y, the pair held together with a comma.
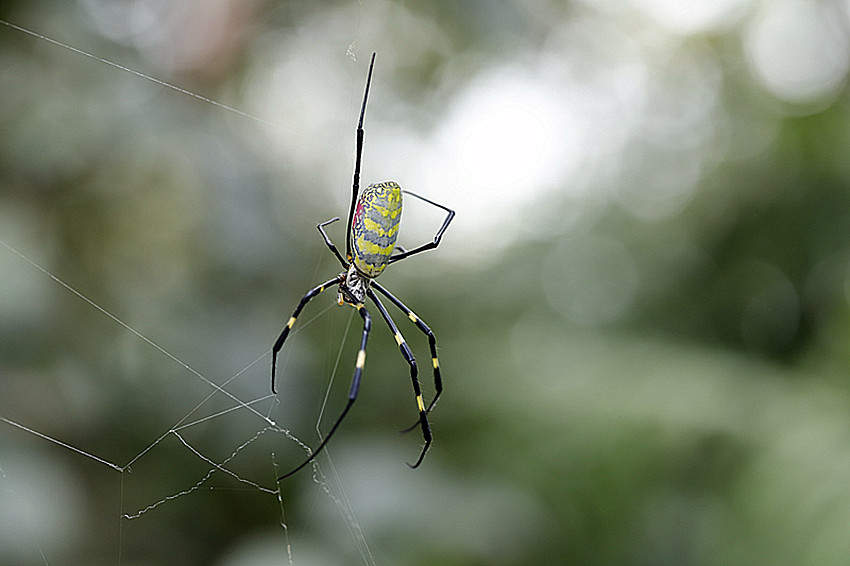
x: 353, y: 288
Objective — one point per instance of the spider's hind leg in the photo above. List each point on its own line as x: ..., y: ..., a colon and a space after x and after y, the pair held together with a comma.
x: 328, y: 242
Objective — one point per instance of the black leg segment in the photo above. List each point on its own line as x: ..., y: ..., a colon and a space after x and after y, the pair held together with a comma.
x: 357, y: 158
x: 304, y: 300
x: 432, y: 341
x: 414, y: 377
x: 352, y: 392
x: 450, y: 214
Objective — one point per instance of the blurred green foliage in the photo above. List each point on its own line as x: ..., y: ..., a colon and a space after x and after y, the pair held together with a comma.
x: 643, y: 335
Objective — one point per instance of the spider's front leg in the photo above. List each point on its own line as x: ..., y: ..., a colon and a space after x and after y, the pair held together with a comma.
x: 432, y: 344
x: 304, y: 300
x: 352, y: 392
x: 414, y: 377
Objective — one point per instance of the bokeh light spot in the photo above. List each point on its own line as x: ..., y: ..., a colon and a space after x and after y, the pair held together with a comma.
x: 797, y: 51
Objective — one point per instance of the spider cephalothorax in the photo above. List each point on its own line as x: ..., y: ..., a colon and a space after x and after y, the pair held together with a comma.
x: 353, y: 288
x: 370, y: 246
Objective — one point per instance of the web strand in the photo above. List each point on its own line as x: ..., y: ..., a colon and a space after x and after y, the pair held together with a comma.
x: 185, y: 422
x: 146, y: 77
x: 157, y: 347
x: 62, y: 444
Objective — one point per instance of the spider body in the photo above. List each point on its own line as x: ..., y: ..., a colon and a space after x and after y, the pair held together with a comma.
x: 373, y: 223
x: 353, y: 287
x: 374, y: 229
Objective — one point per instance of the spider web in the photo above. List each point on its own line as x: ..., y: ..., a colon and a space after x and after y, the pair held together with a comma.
x: 211, y: 401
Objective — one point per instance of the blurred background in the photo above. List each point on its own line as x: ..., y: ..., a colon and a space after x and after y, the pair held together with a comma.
x: 641, y: 306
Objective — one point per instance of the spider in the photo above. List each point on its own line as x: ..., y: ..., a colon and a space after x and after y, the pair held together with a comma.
x: 371, y: 233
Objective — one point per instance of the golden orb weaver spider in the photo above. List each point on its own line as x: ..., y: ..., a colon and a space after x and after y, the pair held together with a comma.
x: 371, y: 233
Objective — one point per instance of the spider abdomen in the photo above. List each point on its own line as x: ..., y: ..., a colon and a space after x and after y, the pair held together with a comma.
x: 374, y: 229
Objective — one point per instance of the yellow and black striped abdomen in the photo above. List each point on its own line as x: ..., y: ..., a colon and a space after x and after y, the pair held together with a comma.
x: 374, y: 228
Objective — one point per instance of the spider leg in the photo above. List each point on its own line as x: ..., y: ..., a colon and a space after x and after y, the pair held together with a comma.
x: 304, y: 300
x: 450, y: 214
x: 352, y: 392
x: 357, y: 158
x: 408, y: 356
x: 328, y: 242
x: 432, y: 343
